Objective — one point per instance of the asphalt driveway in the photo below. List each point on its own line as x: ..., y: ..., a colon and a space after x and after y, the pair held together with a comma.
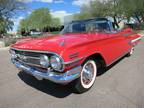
x: 121, y: 86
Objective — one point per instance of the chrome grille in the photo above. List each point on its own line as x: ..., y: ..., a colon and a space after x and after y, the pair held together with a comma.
x: 29, y: 58
x: 30, y: 61
x: 32, y: 58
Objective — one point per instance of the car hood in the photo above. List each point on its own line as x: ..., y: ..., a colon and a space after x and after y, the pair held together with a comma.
x: 53, y: 43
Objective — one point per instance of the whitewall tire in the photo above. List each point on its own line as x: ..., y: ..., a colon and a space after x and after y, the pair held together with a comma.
x: 87, y: 77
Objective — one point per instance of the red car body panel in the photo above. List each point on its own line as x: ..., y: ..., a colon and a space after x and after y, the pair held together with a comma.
x: 109, y: 45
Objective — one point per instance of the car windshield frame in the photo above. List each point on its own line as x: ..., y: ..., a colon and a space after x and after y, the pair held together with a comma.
x: 87, y: 26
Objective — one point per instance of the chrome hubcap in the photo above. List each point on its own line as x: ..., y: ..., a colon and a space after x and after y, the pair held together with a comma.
x: 131, y: 52
x: 88, y: 73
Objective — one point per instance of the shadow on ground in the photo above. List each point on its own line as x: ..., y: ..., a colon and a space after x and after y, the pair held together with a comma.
x: 104, y: 70
x: 56, y: 90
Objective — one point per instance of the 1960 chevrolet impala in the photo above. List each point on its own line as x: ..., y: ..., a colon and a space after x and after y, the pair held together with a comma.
x: 76, y: 53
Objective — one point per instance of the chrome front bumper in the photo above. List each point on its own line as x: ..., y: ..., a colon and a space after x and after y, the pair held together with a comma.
x: 62, y: 78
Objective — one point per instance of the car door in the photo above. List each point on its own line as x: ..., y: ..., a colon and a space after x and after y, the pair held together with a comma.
x: 111, y: 45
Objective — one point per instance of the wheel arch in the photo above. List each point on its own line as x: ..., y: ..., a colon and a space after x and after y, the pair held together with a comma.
x: 98, y: 58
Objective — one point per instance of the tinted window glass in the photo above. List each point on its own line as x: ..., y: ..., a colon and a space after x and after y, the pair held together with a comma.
x: 79, y: 27
x: 102, y: 26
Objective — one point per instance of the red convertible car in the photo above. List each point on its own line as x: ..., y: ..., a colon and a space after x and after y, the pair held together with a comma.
x: 76, y: 54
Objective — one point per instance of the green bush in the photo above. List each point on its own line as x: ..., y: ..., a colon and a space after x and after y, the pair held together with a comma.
x: 55, y: 32
x: 10, y: 41
x: 142, y: 26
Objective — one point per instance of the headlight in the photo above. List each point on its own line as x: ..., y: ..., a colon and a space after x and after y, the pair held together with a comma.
x: 44, y: 61
x: 13, y: 54
x: 56, y: 63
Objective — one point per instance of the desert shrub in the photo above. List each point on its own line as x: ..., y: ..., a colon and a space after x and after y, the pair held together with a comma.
x: 10, y: 41
x: 142, y: 26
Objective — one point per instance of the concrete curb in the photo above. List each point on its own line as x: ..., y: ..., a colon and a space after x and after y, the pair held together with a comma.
x: 5, y: 48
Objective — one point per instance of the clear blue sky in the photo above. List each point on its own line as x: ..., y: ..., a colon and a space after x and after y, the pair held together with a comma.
x: 66, y: 5
x: 58, y: 8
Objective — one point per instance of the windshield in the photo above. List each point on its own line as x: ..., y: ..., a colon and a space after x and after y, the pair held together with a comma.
x: 86, y: 26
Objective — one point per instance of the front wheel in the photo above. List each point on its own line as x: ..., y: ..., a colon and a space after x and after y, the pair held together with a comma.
x: 87, y: 77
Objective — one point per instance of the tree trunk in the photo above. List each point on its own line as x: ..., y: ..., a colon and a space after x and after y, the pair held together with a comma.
x: 142, y: 16
x: 137, y: 17
x: 48, y: 29
x: 115, y: 22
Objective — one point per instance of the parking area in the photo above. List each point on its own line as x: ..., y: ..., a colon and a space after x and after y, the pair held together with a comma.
x: 121, y: 86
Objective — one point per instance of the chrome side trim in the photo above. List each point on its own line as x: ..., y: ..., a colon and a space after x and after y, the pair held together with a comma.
x: 78, y: 59
x: 134, y: 40
x: 61, y: 78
